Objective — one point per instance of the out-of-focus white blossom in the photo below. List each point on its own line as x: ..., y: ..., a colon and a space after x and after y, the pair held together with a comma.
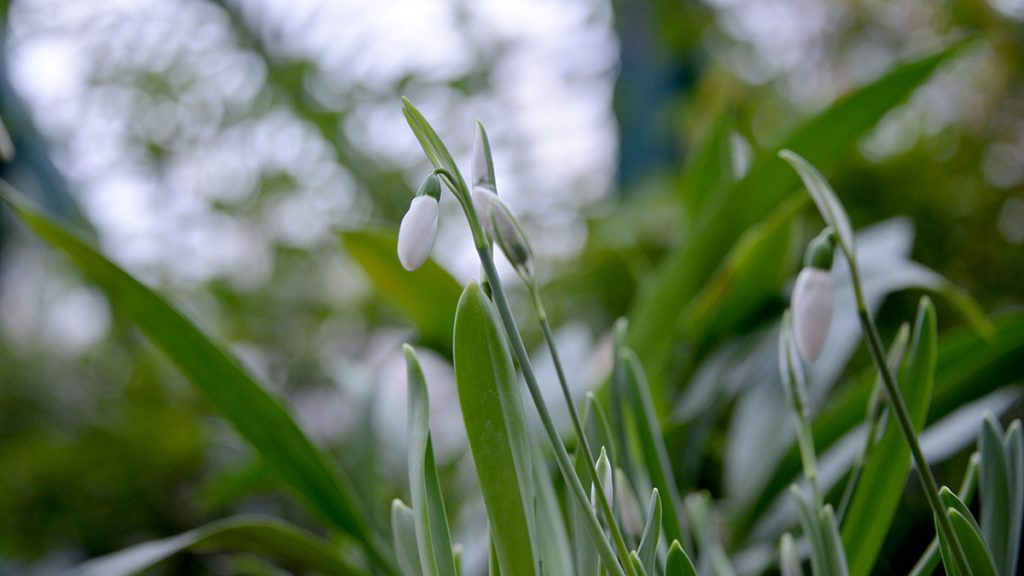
x: 812, y: 311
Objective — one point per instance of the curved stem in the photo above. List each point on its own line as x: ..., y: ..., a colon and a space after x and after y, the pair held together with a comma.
x: 899, y: 407
x: 588, y: 455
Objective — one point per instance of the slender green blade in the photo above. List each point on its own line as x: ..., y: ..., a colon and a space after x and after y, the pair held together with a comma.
x: 427, y: 296
x: 259, y: 417
x: 638, y: 565
x: 823, y: 140
x: 254, y: 535
x: 553, y: 545
x: 996, y: 504
x: 887, y: 467
x: 678, y: 563
x: 493, y: 414
x: 433, y: 536
x: 978, y: 556
x: 1013, y: 444
x: 811, y: 525
x: 431, y: 143
x: 789, y: 559
x: 752, y: 273
x: 403, y: 537
x: 595, y: 426
x: 835, y: 555
x: 652, y: 445
x: 648, y: 550
x: 709, y: 169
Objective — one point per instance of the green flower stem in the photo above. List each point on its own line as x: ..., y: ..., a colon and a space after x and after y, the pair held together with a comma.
x: 804, y: 435
x: 602, y: 500
x: 899, y: 407
x: 858, y: 465
x: 561, y: 454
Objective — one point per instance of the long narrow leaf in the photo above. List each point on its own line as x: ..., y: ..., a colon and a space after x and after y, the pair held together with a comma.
x: 652, y: 444
x: 262, y: 536
x: 403, y: 535
x: 996, y: 503
x: 648, y: 550
x: 1013, y: 444
x: 887, y: 468
x: 259, y: 417
x: 493, y: 414
x: 823, y: 141
x: 678, y: 563
x: 977, y: 554
x: 431, y: 521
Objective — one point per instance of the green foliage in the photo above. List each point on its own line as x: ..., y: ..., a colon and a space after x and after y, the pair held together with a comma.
x: 263, y: 536
x: 493, y: 413
x: 888, y: 466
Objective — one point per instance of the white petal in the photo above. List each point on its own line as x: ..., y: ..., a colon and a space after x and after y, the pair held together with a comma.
x: 417, y: 233
x: 812, y: 311
x: 483, y: 202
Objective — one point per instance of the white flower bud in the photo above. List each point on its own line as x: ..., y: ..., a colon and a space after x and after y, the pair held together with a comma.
x: 501, y: 226
x: 812, y: 311
x: 417, y: 233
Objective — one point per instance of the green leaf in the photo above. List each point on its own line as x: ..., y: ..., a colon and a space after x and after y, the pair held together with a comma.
x: 825, y: 199
x: 552, y: 539
x: 835, y: 555
x: 789, y: 559
x: 652, y: 444
x: 648, y: 550
x: 977, y: 554
x: 427, y: 296
x: 431, y: 521
x: 996, y: 504
x: 969, y: 367
x: 1013, y: 444
x: 709, y: 168
x: 403, y: 537
x: 811, y: 525
x: 887, y: 468
x: 752, y: 273
x: 595, y: 426
x: 254, y: 535
x: 256, y: 415
x: 930, y: 558
x: 678, y: 563
x: 638, y: 566
x: 822, y: 140
x: 493, y: 414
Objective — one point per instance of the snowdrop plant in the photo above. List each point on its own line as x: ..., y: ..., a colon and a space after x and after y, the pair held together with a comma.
x: 622, y: 501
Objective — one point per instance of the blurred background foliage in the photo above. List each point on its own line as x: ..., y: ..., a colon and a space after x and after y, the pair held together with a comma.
x: 250, y: 160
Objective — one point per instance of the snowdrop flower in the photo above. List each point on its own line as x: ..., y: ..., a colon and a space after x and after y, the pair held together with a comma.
x: 502, y: 227
x: 418, y: 231
x: 812, y: 297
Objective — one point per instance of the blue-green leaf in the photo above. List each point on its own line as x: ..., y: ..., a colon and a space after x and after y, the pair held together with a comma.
x: 403, y: 537
x: 887, y: 468
x: 493, y: 414
x: 431, y: 521
x: 678, y: 562
x: 996, y: 504
x: 648, y: 550
x: 1013, y: 444
x: 262, y: 536
x: 977, y: 554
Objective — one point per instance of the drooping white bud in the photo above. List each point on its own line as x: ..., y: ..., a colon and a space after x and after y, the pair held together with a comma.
x: 417, y: 233
x: 812, y: 311
x: 502, y: 227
